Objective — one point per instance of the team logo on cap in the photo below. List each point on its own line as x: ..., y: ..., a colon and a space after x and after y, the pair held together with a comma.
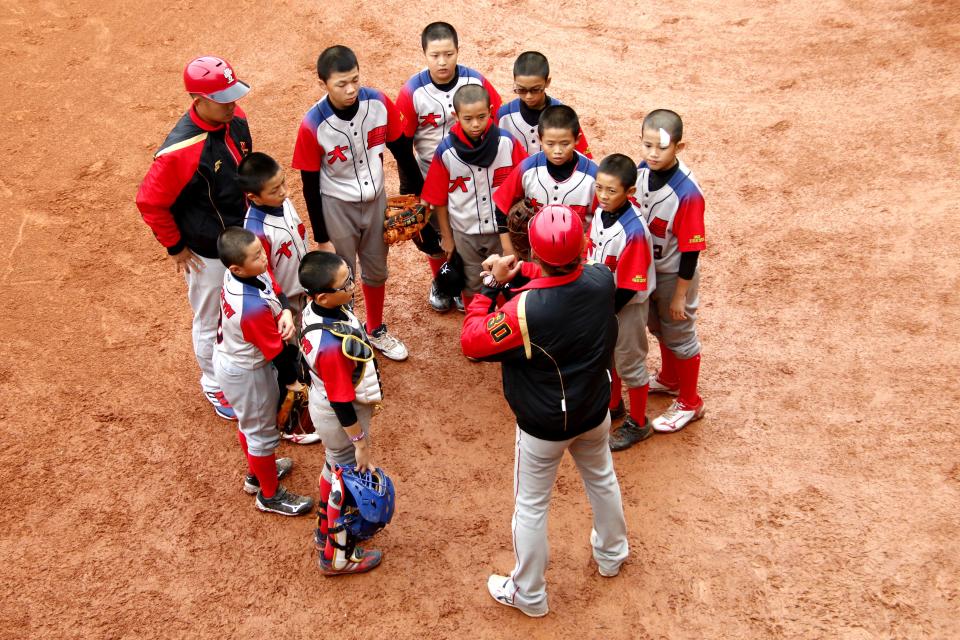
x: 228, y: 74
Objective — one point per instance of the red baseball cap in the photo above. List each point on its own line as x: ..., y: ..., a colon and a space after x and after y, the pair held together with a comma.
x: 213, y: 78
x: 556, y: 235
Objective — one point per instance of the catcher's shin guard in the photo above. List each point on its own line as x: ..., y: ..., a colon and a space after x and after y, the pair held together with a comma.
x: 340, y: 547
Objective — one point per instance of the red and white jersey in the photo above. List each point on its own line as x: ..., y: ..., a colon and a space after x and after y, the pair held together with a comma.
x: 531, y: 179
x: 348, y: 153
x: 248, y: 335
x: 674, y: 215
x: 335, y: 377
x: 428, y: 110
x: 627, y: 249
x: 510, y: 117
x: 284, y: 239
x: 468, y: 190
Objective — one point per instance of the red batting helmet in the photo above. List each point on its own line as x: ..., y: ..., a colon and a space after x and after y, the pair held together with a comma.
x: 213, y: 78
x: 556, y: 235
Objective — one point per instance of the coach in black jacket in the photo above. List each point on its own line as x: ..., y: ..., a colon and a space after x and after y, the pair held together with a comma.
x: 555, y: 338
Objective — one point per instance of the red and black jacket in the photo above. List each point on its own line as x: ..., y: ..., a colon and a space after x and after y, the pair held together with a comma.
x: 555, y: 339
x: 190, y: 193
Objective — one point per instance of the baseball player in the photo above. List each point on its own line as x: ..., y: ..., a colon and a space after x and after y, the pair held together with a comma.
x: 555, y: 338
x: 252, y: 361
x: 466, y: 171
x: 557, y: 175
x: 274, y: 220
x: 344, y: 392
x: 619, y: 239
x: 190, y: 195
x: 520, y: 116
x: 426, y: 101
x: 673, y: 206
x: 339, y: 151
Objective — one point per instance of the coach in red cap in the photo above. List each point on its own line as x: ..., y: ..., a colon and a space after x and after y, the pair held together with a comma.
x: 555, y: 338
x: 190, y: 195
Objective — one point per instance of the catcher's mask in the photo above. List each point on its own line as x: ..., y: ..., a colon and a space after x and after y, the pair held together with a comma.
x: 450, y: 279
x: 368, y: 501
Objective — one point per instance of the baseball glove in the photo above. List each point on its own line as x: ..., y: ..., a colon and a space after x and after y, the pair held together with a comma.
x: 293, y: 417
x: 404, y: 218
x: 518, y: 221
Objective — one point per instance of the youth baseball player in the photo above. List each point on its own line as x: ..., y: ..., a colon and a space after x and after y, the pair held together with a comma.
x: 426, y: 101
x: 463, y: 180
x: 190, y: 195
x: 555, y: 339
x: 252, y: 361
x: 339, y: 149
x: 673, y: 206
x: 520, y: 116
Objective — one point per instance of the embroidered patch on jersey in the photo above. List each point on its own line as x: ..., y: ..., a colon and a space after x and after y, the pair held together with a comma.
x: 377, y: 136
x: 216, y: 165
x: 697, y: 239
x: 658, y: 227
x: 638, y: 279
x: 499, y: 175
x: 498, y: 328
x: 307, y: 347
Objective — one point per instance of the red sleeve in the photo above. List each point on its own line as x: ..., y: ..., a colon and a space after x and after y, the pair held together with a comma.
x: 582, y: 145
x: 307, y: 154
x: 259, y: 328
x: 519, y: 154
x: 510, y: 191
x: 495, y: 100
x: 487, y: 334
x: 395, y: 121
x: 633, y: 265
x: 168, y: 175
x: 405, y: 106
x: 530, y: 269
x: 688, y: 224
x: 336, y: 371
x: 435, y: 184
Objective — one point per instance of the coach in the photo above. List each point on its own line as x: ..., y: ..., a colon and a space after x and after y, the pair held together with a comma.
x: 190, y: 195
x: 555, y: 338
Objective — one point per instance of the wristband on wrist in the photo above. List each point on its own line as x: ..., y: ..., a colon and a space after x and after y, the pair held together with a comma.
x: 358, y: 438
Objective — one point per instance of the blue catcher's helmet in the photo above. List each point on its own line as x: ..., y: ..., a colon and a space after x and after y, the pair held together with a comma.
x: 368, y: 501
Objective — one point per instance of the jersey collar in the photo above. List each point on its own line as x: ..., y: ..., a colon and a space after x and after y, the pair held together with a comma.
x: 203, y: 124
x: 547, y: 282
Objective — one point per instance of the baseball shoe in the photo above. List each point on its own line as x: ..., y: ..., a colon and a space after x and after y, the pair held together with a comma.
x: 285, y: 503
x: 221, y: 406
x: 250, y: 483
x: 658, y: 387
x: 496, y: 585
x: 301, y: 438
x: 439, y: 302
x: 677, y: 417
x: 618, y: 411
x: 458, y: 303
x: 360, y: 562
x: 629, y: 434
x: 389, y: 346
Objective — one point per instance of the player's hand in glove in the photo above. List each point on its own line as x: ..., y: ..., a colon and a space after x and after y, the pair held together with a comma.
x: 403, y: 219
x: 518, y: 223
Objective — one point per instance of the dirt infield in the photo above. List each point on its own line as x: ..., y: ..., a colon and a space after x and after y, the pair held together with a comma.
x: 817, y: 499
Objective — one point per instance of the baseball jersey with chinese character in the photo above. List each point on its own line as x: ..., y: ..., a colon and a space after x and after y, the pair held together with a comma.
x: 249, y: 308
x: 510, y: 117
x: 284, y: 239
x: 531, y: 179
x: 468, y: 190
x: 348, y: 153
x: 626, y: 248
x: 428, y: 110
x: 674, y: 215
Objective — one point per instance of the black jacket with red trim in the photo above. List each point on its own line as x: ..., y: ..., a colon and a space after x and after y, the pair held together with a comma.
x: 555, y: 339
x: 190, y: 193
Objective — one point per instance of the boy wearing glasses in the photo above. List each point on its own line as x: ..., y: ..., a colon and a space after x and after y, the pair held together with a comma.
x: 426, y: 101
x: 344, y: 395
x: 531, y: 79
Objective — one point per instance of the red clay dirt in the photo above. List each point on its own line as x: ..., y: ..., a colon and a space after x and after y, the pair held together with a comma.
x: 817, y: 499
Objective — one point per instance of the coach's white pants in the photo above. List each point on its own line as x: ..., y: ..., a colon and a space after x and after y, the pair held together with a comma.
x: 203, y: 290
x: 535, y: 471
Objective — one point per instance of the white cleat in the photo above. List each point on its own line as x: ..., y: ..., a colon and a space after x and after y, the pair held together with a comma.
x: 496, y: 585
x: 388, y: 345
x: 677, y: 417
